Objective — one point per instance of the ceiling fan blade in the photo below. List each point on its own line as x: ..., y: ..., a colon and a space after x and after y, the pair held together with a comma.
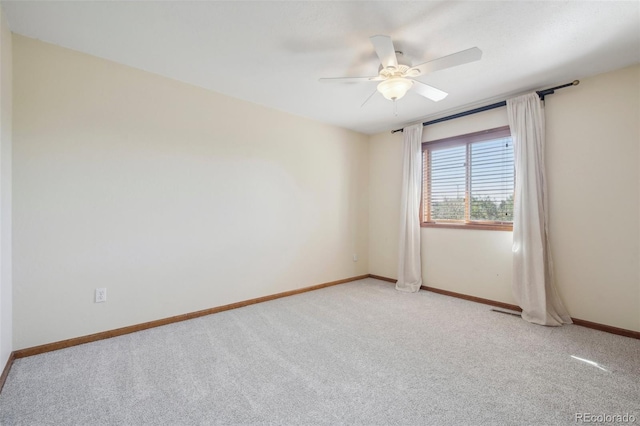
x: 385, y: 50
x: 349, y: 79
x: 453, y: 60
x: 428, y: 92
x: 370, y: 96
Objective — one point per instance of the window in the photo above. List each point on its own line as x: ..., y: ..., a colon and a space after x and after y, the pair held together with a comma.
x: 468, y: 181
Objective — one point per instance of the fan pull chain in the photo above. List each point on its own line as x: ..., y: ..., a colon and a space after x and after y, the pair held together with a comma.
x: 395, y: 108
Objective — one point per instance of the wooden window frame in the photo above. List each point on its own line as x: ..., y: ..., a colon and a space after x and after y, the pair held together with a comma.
x: 467, y: 140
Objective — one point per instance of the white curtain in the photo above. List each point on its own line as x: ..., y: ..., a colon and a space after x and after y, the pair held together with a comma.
x: 409, y: 267
x: 533, y: 285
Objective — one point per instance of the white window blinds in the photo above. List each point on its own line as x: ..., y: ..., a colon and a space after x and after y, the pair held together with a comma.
x: 469, y: 179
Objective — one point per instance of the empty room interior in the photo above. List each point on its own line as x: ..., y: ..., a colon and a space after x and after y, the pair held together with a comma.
x: 300, y: 212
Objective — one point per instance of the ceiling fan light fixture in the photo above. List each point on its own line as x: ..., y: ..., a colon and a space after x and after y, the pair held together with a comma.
x: 394, y: 88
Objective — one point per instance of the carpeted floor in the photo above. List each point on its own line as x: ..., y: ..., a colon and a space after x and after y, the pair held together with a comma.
x: 358, y: 353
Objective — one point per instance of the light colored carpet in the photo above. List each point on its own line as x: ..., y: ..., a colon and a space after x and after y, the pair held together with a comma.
x: 357, y: 353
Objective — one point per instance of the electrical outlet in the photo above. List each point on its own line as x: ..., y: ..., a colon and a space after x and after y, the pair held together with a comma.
x: 355, y: 257
x: 101, y: 295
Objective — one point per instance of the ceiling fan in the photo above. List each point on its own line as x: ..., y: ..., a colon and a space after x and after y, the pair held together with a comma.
x: 396, y: 74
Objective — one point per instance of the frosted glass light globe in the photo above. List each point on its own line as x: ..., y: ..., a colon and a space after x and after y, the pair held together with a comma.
x: 394, y: 88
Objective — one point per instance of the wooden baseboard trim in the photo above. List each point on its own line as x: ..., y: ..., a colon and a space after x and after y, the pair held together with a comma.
x: 473, y: 298
x: 607, y: 328
x: 381, y: 278
x: 7, y: 367
x: 576, y: 321
x: 48, y: 347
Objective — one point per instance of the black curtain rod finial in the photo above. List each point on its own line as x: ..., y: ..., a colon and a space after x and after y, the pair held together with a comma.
x: 552, y: 90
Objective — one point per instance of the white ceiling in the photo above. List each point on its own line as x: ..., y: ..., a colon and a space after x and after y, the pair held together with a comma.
x: 272, y: 53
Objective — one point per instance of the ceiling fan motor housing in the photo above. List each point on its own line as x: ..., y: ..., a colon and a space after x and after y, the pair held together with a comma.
x: 404, y: 65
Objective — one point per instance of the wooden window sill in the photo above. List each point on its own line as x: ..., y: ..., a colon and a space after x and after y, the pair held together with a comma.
x: 481, y: 226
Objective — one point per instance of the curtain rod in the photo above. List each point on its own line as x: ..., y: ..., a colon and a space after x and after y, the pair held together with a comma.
x: 541, y: 94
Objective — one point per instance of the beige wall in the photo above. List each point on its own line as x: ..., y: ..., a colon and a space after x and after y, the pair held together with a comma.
x: 6, y: 105
x: 385, y: 178
x: 593, y: 136
x: 593, y: 133
x: 172, y: 197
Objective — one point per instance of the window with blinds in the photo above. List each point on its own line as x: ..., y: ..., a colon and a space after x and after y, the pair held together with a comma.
x: 469, y: 180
